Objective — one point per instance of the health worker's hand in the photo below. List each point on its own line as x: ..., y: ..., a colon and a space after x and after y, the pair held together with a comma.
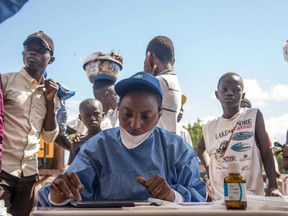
x: 66, y: 186
x: 158, y: 187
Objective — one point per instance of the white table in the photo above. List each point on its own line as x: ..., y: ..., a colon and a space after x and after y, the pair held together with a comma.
x: 256, y: 207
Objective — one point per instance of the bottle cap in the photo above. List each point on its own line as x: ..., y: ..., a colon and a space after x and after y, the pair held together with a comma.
x: 233, y: 167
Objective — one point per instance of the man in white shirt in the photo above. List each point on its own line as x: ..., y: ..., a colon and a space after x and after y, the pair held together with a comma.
x: 159, y: 62
x: 30, y: 112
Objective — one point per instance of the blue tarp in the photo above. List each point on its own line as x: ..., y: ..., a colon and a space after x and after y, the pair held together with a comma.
x: 10, y: 7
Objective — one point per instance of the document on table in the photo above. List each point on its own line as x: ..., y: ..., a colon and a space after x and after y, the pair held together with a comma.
x: 185, y: 205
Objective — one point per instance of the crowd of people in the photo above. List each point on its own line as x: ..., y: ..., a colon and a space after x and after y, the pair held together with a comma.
x: 147, y: 155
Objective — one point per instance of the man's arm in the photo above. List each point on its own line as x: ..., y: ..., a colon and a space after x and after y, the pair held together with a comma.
x: 50, y: 122
x: 50, y: 127
x: 269, y: 166
x: 63, y: 141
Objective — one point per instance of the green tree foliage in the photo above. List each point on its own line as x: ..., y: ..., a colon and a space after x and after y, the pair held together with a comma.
x: 195, y: 132
x: 280, y: 163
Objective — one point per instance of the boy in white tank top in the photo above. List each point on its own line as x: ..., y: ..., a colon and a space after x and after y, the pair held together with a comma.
x: 237, y: 136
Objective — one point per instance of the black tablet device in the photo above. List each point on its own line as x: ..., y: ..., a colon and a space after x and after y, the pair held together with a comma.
x: 113, y: 203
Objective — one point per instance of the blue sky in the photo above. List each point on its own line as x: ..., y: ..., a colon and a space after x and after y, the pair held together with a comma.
x: 210, y: 38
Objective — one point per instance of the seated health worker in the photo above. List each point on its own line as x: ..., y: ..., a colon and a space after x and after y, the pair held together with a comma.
x: 134, y: 161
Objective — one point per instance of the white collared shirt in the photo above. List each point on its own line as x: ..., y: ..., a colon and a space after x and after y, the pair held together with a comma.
x: 24, y: 111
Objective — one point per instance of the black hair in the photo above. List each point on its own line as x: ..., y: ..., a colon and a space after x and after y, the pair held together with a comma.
x: 162, y: 47
x: 230, y: 74
x: 87, y: 101
x: 102, y: 83
x: 143, y: 89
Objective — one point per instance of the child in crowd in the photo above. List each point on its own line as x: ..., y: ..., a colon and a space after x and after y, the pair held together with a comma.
x: 91, y: 114
x: 238, y: 135
x: 246, y: 103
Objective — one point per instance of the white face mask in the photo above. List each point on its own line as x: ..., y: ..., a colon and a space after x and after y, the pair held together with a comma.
x: 133, y: 141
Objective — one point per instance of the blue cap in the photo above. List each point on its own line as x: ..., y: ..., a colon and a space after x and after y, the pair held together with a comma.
x: 103, y: 77
x: 140, y: 78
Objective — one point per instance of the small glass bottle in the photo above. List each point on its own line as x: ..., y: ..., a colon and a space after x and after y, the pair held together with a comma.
x: 235, y: 188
